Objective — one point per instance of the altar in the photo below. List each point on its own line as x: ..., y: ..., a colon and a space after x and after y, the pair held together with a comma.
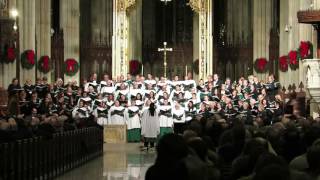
x: 115, y: 133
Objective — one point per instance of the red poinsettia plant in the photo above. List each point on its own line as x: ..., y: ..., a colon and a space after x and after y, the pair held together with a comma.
x: 28, y: 59
x: 305, y: 49
x: 10, y: 54
x: 283, y: 63
x: 44, y: 64
x: 135, y: 67
x: 30, y: 56
x: 71, y: 67
x: 293, y: 59
x: 261, y: 65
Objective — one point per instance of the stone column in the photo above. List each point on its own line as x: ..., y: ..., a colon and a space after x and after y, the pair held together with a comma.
x: 209, y: 39
x: 290, y: 39
x: 43, y: 33
x: 135, y: 32
x: 204, y: 10
x: 27, y: 32
x: 195, y: 41
x: 120, y: 37
x: 8, y: 71
x: 70, y: 20
x: 262, y: 15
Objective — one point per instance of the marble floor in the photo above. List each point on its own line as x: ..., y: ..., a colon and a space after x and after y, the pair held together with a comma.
x: 119, y: 162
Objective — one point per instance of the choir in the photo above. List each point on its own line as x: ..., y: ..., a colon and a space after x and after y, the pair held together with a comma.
x: 124, y: 100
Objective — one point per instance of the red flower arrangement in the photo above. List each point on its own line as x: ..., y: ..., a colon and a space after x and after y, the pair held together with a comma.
x: 71, y: 67
x: 283, y: 63
x: 261, y: 65
x: 44, y: 64
x: 305, y: 49
x: 10, y: 54
x: 28, y: 59
x: 135, y: 67
x: 293, y: 59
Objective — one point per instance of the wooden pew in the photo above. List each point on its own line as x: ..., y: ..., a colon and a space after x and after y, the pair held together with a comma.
x: 3, y: 101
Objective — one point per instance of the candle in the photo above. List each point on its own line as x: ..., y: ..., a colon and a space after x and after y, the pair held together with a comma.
x: 142, y: 70
x: 186, y: 70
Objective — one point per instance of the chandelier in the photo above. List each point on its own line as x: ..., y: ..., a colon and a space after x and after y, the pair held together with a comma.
x: 198, y: 5
x: 123, y: 5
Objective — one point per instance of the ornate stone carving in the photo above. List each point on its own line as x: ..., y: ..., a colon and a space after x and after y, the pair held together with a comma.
x: 198, y: 5
x: 123, y: 5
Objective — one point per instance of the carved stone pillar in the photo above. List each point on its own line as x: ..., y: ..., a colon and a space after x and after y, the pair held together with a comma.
x: 43, y: 32
x: 70, y: 20
x: 262, y: 24
x: 195, y: 42
x: 27, y: 30
x: 120, y: 37
x: 204, y: 10
x: 135, y: 32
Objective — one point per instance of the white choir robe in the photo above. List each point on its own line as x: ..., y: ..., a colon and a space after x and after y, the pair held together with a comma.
x: 175, y: 93
x: 76, y: 114
x: 134, y: 92
x: 152, y: 82
x: 122, y: 92
x: 147, y: 92
x: 116, y: 119
x: 179, y: 113
x: 187, y: 95
x: 188, y: 117
x: 101, y: 120
x: 150, y: 125
x: 175, y: 83
x: 161, y: 84
x: 164, y: 120
x: 109, y: 103
x: 160, y: 94
x: 132, y: 122
x: 107, y: 90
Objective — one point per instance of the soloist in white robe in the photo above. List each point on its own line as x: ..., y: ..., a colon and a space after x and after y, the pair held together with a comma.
x: 150, y: 125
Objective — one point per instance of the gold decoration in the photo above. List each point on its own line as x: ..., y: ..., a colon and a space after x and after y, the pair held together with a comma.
x: 123, y: 5
x: 198, y: 5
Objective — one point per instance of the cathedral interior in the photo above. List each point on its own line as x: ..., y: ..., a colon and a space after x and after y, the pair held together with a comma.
x: 159, y: 89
